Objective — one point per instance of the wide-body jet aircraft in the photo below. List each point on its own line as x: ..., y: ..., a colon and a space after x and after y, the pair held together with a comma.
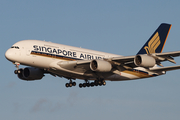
x: 72, y: 63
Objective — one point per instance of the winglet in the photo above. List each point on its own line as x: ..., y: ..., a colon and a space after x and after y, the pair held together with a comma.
x: 156, y: 42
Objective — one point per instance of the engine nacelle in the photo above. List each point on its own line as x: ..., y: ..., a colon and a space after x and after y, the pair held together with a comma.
x: 100, y: 66
x: 144, y: 61
x: 31, y: 73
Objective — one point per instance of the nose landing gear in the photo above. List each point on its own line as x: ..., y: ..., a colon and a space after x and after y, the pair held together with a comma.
x: 18, y: 71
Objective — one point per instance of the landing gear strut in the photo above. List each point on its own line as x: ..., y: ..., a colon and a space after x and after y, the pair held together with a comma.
x: 70, y: 84
x: 18, y: 71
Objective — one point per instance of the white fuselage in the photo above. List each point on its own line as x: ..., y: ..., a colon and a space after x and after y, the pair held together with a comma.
x: 46, y: 55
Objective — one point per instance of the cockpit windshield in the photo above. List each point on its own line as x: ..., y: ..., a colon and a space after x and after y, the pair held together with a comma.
x: 16, y: 47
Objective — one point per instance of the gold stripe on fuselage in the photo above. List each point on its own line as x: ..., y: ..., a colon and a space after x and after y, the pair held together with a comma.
x: 138, y: 73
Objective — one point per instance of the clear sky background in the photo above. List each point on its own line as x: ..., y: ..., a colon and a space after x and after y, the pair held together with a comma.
x: 115, y: 26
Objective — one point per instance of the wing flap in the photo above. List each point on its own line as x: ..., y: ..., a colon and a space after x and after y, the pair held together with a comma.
x: 125, y: 61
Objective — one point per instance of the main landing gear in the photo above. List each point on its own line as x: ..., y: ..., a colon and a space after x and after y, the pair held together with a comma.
x: 87, y: 83
x: 70, y: 84
x: 92, y: 84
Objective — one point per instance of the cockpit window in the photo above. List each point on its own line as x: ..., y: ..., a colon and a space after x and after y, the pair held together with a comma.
x: 16, y: 47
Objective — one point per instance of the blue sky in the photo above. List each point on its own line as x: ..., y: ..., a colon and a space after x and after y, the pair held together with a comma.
x: 119, y: 27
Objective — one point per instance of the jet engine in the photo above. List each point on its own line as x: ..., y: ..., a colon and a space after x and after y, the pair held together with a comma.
x: 144, y: 61
x: 100, y: 66
x: 30, y: 73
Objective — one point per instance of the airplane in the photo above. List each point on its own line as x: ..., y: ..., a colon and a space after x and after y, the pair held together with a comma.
x: 94, y: 67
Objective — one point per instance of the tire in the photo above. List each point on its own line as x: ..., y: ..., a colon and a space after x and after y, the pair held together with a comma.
x: 67, y: 85
x: 70, y: 85
x: 80, y: 85
x: 74, y: 83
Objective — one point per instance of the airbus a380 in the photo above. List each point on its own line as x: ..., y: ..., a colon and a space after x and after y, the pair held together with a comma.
x: 77, y: 63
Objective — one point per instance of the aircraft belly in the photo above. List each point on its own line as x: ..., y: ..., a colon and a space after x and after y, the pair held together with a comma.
x: 70, y: 75
x: 76, y: 73
x: 120, y: 77
x: 128, y: 75
x: 37, y: 61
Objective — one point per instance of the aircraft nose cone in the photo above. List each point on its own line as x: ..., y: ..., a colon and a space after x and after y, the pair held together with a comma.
x: 8, y: 54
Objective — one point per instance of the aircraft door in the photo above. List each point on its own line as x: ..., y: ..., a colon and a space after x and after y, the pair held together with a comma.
x: 28, y: 51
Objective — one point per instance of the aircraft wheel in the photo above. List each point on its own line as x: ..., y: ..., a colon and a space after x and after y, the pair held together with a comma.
x: 84, y: 84
x: 96, y: 83
x: 104, y: 82
x: 67, y: 85
x: 70, y: 85
x: 80, y: 85
x: 99, y: 82
x: 92, y: 84
x: 17, y: 71
x: 74, y: 83
x: 87, y: 84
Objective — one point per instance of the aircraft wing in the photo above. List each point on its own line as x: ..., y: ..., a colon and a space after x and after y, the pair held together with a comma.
x: 120, y: 63
x: 167, y: 56
x: 125, y: 61
x: 159, y: 57
x: 165, y: 68
x: 173, y: 54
